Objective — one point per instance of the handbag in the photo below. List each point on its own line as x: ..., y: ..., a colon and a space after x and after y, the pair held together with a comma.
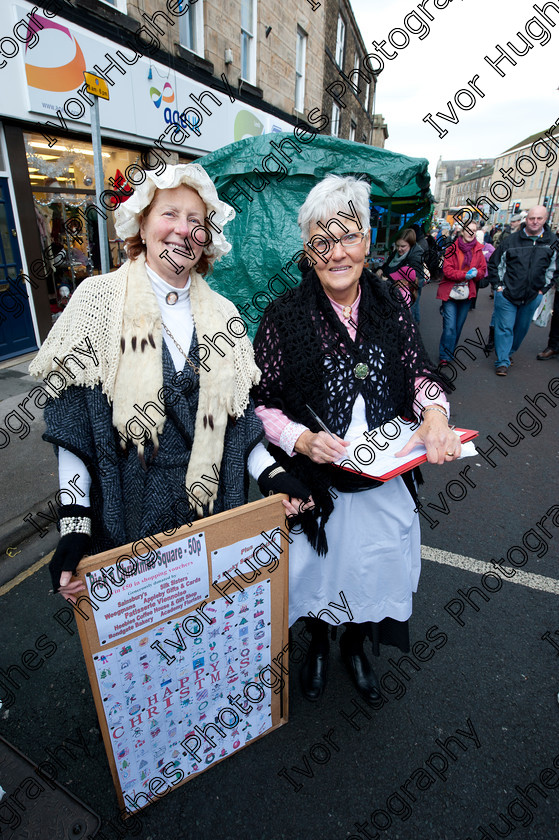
x: 460, y: 291
x: 402, y: 279
x: 545, y: 308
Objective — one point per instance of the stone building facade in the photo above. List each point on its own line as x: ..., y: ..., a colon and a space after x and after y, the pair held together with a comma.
x: 524, y: 175
x: 349, y: 85
x: 527, y: 174
x: 250, y: 43
x: 280, y: 28
x: 449, y: 172
x: 464, y: 191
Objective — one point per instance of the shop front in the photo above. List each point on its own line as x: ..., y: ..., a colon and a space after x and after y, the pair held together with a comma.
x: 49, y: 241
x: 17, y: 330
x: 49, y: 235
x: 62, y: 180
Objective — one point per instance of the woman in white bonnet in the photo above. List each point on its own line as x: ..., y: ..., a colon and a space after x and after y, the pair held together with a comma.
x: 154, y: 424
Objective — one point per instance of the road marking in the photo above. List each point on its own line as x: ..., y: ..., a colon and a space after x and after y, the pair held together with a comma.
x: 544, y: 584
x: 28, y: 572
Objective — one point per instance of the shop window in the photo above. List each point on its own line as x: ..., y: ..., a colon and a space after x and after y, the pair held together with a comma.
x: 62, y: 181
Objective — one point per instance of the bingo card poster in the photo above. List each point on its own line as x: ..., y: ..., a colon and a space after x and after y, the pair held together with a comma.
x: 182, y: 671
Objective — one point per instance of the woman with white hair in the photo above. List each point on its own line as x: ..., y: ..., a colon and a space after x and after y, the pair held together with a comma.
x: 342, y: 349
x: 154, y: 423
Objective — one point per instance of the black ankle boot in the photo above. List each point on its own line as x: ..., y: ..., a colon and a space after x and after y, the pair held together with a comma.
x: 491, y: 340
x: 314, y: 670
x: 357, y: 664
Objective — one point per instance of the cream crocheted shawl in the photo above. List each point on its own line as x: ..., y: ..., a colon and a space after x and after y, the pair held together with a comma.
x: 116, y: 321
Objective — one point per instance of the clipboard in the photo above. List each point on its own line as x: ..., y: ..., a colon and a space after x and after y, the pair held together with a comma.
x: 370, y: 455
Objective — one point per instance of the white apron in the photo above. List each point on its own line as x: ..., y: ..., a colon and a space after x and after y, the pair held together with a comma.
x: 374, y: 554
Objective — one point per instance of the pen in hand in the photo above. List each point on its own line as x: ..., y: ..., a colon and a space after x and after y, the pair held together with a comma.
x: 320, y: 422
x: 319, y: 449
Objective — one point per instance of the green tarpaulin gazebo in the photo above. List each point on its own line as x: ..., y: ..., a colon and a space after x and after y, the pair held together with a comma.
x: 267, y: 178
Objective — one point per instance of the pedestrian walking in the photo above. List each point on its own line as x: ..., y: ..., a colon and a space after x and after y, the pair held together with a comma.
x: 552, y: 348
x: 522, y: 268
x: 464, y: 266
x: 405, y: 268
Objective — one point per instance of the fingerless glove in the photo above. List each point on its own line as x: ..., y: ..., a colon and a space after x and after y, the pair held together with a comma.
x: 75, y: 541
x: 274, y: 479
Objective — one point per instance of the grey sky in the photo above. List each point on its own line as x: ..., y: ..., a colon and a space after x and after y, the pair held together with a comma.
x: 427, y: 73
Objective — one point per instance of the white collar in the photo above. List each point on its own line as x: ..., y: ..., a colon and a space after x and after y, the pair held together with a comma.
x: 162, y: 288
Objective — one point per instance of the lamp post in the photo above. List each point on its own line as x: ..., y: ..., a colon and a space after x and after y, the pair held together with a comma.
x: 98, y: 87
x: 553, y: 198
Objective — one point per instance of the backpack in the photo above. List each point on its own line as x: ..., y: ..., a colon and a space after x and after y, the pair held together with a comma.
x: 433, y: 259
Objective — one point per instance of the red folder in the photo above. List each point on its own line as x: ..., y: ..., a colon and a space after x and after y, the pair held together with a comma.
x: 410, y: 461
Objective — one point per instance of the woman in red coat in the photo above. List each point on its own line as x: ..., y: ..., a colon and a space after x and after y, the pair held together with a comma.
x: 463, y: 268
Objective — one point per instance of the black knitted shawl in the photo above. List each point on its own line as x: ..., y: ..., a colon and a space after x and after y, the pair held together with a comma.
x: 306, y: 356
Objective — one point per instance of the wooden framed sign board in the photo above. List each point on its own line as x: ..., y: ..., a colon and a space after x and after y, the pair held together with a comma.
x: 183, y: 638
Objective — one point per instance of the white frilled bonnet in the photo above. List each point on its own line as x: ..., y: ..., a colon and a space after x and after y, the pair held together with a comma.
x: 127, y: 216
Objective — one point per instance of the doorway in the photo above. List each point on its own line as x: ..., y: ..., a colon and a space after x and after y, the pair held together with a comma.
x: 17, y: 335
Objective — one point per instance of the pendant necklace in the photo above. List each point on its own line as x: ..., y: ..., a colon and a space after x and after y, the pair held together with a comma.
x: 361, y: 369
x: 177, y: 345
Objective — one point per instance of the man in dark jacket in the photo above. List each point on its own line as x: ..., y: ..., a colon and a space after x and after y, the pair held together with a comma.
x: 512, y: 227
x: 520, y: 270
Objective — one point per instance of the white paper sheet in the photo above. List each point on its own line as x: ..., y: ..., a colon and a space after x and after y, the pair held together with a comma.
x: 157, y: 687
x: 175, y: 581
x: 374, y: 453
x: 247, y: 556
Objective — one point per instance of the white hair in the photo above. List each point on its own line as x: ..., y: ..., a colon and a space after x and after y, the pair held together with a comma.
x: 329, y: 196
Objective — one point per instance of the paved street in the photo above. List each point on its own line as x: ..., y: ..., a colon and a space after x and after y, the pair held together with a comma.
x: 30, y: 466
x: 479, y: 672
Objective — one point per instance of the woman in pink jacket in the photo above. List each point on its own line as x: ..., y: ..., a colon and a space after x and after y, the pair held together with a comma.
x: 463, y: 268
